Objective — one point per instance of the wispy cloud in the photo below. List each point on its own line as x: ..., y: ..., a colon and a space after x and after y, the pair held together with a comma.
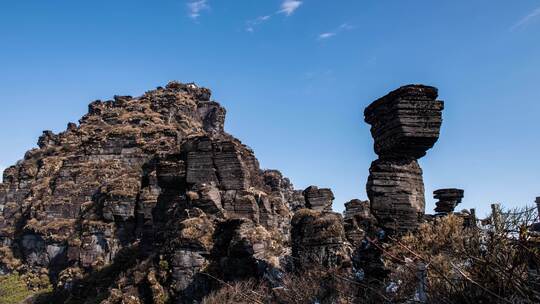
x: 327, y: 35
x: 251, y: 24
x: 289, y: 6
x: 341, y: 28
x: 196, y: 7
x: 525, y: 20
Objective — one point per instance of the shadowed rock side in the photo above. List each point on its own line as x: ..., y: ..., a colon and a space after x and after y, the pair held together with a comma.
x: 404, y: 124
x: 318, y: 238
x: 141, y: 197
x: 357, y: 220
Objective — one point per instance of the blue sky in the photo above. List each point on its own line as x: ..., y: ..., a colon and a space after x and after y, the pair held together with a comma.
x: 295, y: 77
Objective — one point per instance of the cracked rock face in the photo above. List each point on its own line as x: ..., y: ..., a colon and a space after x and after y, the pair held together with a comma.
x: 145, y: 184
x: 404, y: 124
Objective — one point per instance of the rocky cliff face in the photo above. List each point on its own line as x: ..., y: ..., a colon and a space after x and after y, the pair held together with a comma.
x: 154, y: 178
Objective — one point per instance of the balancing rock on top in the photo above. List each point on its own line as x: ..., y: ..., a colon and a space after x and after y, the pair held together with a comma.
x: 318, y: 199
x: 406, y: 122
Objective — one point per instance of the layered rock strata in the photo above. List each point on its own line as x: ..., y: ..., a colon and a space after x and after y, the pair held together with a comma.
x: 357, y: 220
x: 319, y: 240
x: 318, y: 199
x: 146, y: 194
x: 404, y: 124
x: 448, y: 199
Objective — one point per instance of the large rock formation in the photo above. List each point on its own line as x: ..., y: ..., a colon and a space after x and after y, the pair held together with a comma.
x: 144, y: 195
x: 404, y: 124
x: 149, y: 200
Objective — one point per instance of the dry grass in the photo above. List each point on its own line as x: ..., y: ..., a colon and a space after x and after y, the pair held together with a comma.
x: 199, y: 230
x: 314, y: 286
x: 463, y: 265
x: 8, y: 260
x: 245, y: 292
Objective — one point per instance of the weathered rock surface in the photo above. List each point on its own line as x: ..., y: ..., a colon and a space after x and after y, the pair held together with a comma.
x: 396, y: 191
x: 404, y: 124
x: 448, y: 199
x: 318, y: 199
x: 318, y: 239
x: 143, y: 196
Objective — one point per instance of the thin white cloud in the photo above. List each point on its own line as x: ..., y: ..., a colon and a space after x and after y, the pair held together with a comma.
x: 341, y: 28
x: 251, y: 24
x: 196, y: 8
x: 525, y: 20
x: 346, y: 27
x: 326, y: 35
x: 289, y: 6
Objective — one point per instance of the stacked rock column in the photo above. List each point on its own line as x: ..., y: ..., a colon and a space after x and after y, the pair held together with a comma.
x: 404, y: 124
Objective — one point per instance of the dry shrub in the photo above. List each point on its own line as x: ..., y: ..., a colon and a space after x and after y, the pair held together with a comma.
x: 464, y: 265
x: 198, y: 230
x: 314, y: 286
x: 320, y: 285
x: 244, y: 292
x: 7, y: 260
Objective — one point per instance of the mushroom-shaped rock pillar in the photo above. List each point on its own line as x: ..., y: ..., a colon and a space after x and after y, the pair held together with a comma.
x: 404, y: 124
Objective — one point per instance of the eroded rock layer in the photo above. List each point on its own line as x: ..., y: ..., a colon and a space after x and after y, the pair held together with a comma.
x: 396, y: 191
x: 318, y: 239
x: 448, y: 199
x: 140, y: 197
x: 406, y: 122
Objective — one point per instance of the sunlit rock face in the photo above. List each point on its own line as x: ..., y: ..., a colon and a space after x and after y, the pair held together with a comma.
x: 404, y: 124
x: 153, y: 178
